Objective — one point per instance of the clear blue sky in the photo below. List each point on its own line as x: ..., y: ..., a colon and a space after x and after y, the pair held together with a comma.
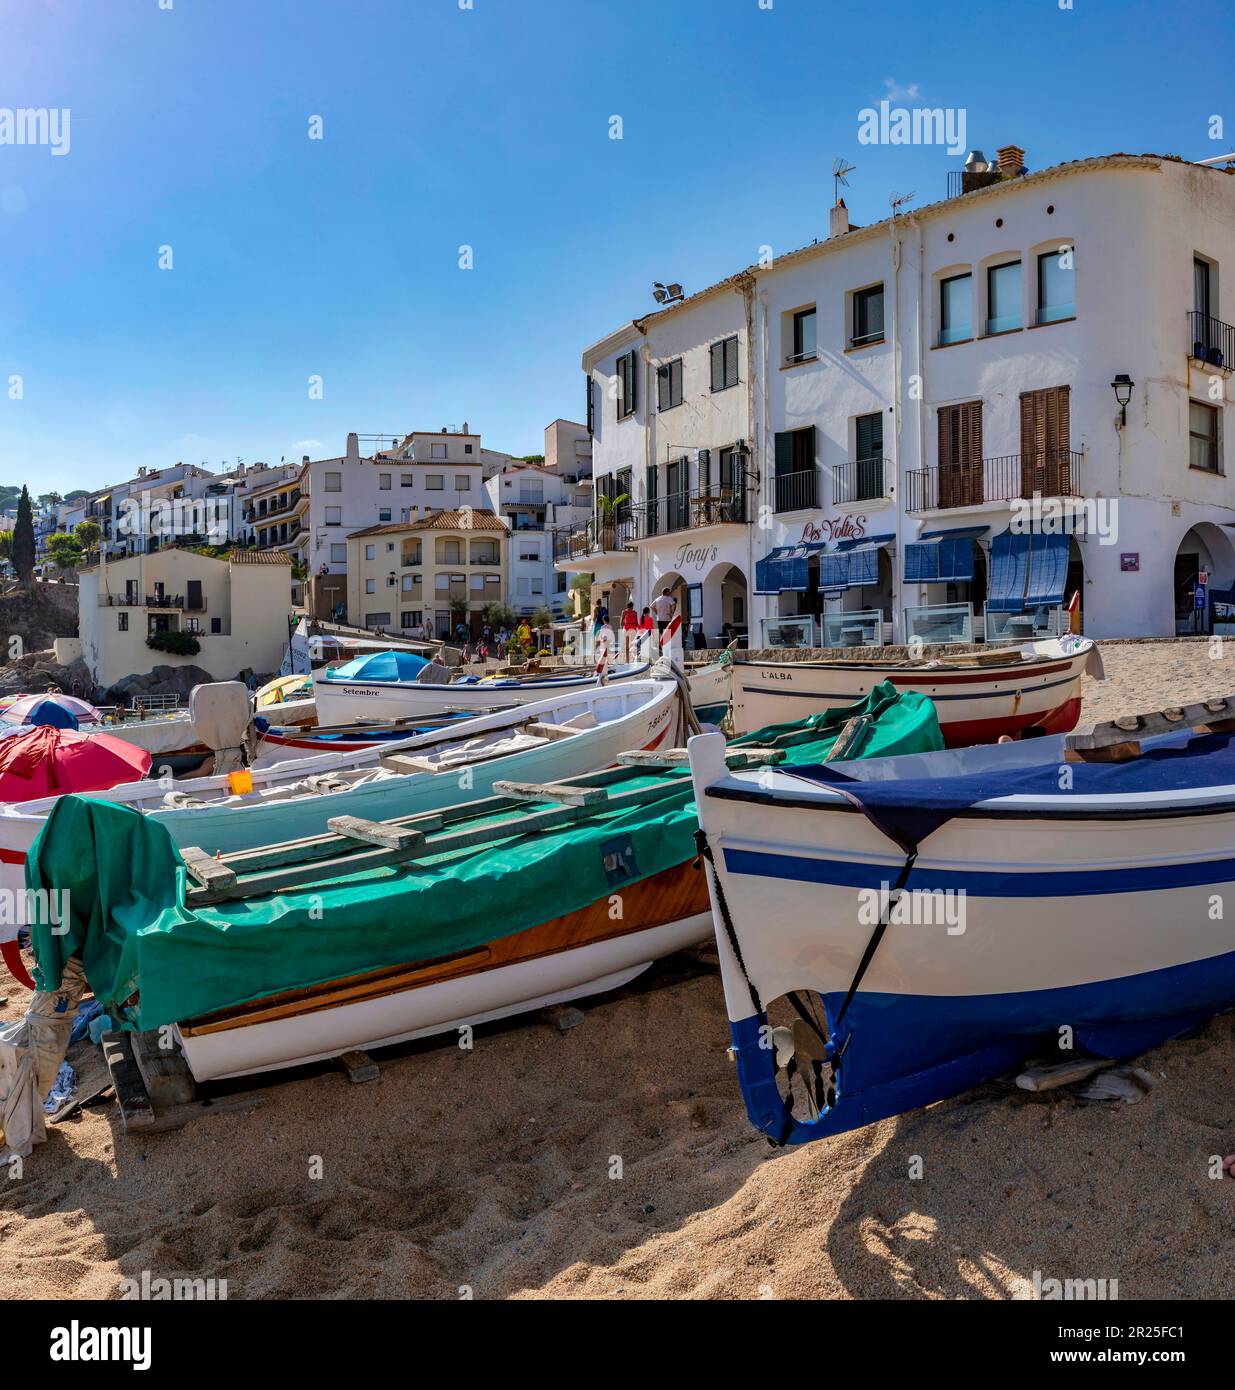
x: 490, y: 127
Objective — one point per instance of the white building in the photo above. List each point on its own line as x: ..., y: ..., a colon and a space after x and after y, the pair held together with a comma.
x: 236, y: 608
x: 539, y: 501
x: 851, y: 436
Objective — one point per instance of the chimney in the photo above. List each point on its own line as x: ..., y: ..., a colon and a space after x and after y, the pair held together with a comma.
x: 465, y: 427
x: 353, y: 447
x: 1011, y: 161
x: 838, y: 219
x: 304, y: 458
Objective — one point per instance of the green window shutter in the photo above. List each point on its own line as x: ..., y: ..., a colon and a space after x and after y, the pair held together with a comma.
x: 784, y: 454
x: 663, y: 389
x: 718, y: 366
x: 869, y: 436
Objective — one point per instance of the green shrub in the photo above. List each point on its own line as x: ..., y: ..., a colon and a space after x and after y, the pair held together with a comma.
x: 177, y: 643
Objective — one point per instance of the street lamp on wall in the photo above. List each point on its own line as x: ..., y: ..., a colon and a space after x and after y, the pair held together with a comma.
x: 1122, y: 387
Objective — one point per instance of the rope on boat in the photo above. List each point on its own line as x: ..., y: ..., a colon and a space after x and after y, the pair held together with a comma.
x: 704, y: 850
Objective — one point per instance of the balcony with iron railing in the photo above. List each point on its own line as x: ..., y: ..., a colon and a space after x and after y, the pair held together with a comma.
x: 162, y: 602
x: 861, y: 480
x: 1007, y: 478
x: 595, y: 537
x: 797, y: 491
x: 692, y: 510
x: 1211, y: 341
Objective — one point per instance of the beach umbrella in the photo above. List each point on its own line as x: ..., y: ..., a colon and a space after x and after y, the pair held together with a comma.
x: 20, y: 710
x: 46, y: 761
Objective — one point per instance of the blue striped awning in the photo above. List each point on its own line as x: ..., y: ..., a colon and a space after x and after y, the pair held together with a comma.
x: 783, y: 570
x: 1009, y: 573
x: 1048, y: 571
x: 940, y: 559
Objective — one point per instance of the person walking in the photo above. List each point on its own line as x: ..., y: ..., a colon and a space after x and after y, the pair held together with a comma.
x: 664, y: 608
x: 630, y: 631
x: 647, y: 626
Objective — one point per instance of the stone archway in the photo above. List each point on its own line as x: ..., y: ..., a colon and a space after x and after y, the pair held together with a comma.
x: 1205, y: 547
x: 726, y: 604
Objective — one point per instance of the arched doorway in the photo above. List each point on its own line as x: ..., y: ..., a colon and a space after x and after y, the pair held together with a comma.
x: 724, y: 608
x: 1205, y: 548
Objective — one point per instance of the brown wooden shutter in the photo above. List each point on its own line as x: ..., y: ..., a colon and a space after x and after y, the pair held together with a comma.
x: 948, y: 420
x: 1046, y: 442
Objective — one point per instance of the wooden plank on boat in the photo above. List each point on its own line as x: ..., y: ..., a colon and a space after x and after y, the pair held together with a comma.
x: 163, y: 1069
x: 849, y: 739
x: 207, y: 870
x: 1216, y: 716
x: 375, y: 832
x: 655, y: 757
x: 735, y: 758
x: 324, y: 857
x: 561, y: 792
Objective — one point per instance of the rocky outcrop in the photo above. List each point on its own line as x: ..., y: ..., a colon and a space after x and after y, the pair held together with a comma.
x: 160, y: 680
x: 40, y: 671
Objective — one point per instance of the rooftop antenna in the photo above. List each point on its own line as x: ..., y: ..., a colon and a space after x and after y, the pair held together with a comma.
x: 839, y: 171
x: 898, y: 200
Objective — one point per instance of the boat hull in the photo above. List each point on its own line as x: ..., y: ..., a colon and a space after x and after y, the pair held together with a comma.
x: 570, y: 957
x: 342, y: 702
x: 1033, y: 935
x: 978, y: 704
x: 643, y: 715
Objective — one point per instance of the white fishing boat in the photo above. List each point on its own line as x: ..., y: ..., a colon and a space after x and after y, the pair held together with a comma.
x: 979, y: 695
x: 381, y: 690
x: 573, y: 732
x: 934, y: 919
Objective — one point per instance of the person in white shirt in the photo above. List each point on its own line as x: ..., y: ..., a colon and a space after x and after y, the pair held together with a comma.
x: 664, y: 608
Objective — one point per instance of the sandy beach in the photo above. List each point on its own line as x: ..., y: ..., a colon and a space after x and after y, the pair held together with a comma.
x: 615, y: 1161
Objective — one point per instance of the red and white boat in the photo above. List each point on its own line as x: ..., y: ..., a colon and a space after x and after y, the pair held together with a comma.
x: 979, y: 695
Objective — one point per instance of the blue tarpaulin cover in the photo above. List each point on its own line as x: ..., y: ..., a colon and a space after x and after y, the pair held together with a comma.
x: 380, y: 666
x: 909, y: 810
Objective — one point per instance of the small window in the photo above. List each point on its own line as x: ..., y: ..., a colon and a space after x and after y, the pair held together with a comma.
x: 122, y: 622
x: 437, y: 451
x: 334, y: 482
x: 867, y: 316
x: 435, y: 482
x: 338, y: 554
x: 1203, y: 436
x: 408, y: 581
x: 383, y: 482
x: 1057, y: 285
x: 669, y: 385
x: 390, y: 545
x: 467, y: 448
x: 405, y: 480
x: 377, y: 620
x: 370, y: 586
x: 383, y: 514
x: 803, y: 335
x: 334, y: 516
x: 1003, y: 297
x: 409, y: 617
x: 463, y: 482
x: 370, y: 552
x: 216, y: 625
x: 625, y: 371
x: 724, y: 364
x: 956, y: 309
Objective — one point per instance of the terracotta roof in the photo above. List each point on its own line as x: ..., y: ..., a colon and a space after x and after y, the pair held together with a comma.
x: 257, y: 557
x: 467, y: 520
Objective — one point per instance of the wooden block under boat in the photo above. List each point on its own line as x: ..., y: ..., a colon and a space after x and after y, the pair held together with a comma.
x: 1118, y: 739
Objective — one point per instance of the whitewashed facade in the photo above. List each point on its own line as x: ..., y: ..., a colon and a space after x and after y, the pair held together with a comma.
x: 889, y: 424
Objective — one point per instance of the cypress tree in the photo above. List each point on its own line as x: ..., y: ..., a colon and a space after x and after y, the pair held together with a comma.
x: 23, y: 539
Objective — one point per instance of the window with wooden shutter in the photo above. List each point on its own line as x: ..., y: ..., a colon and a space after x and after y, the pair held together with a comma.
x: 1046, y: 442
x: 626, y: 384
x: 669, y: 385
x: 960, y: 455
x: 724, y: 364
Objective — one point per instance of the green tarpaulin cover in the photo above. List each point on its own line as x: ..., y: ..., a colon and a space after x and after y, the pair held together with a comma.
x: 126, y: 884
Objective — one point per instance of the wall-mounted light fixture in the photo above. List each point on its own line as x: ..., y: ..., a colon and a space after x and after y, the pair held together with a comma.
x: 1122, y: 387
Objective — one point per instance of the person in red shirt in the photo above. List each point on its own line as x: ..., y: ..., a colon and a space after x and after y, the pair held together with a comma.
x: 647, y: 626
x: 630, y: 631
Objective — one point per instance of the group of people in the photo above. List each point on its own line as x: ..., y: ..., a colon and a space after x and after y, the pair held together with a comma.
x: 636, y: 627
